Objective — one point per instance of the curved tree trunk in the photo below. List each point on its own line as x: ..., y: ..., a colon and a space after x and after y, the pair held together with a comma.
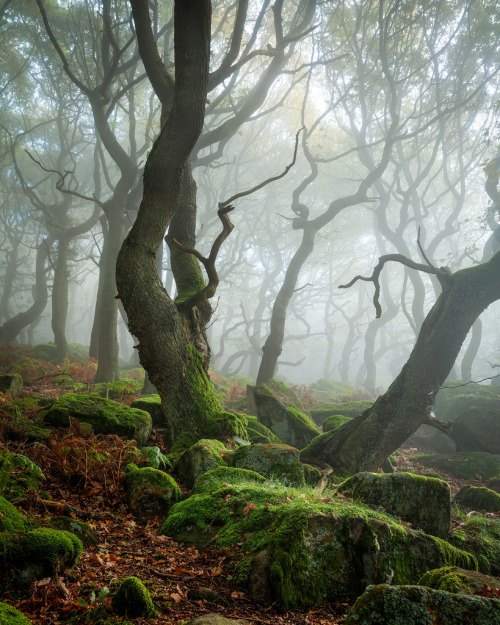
x: 11, y: 328
x: 165, y: 347
x: 365, y: 442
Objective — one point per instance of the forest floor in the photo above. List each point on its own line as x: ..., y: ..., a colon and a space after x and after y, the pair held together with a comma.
x: 173, y: 573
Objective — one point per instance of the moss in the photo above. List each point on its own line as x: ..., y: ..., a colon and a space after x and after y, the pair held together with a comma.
x: 204, y: 455
x: 39, y: 553
x: 11, y: 520
x: 273, y: 461
x: 18, y: 475
x: 312, y: 475
x: 228, y: 475
x: 10, y: 616
x: 118, y: 388
x: 150, y: 492
x: 152, y: 405
x: 259, y: 433
x: 480, y: 536
x: 105, y: 416
x: 334, y: 421
x: 133, y: 599
x: 14, y: 425
x: 447, y: 578
x: 478, y: 499
x: 348, y: 409
x: 465, y: 465
x: 211, y: 419
x: 83, y: 531
x: 402, y: 605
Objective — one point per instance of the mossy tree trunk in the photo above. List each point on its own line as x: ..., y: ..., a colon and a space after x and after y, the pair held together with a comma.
x: 365, y: 442
x: 164, y: 330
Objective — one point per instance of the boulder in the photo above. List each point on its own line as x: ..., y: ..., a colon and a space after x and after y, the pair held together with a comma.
x: 464, y: 465
x: 417, y: 605
x: 454, y: 579
x: 334, y: 421
x: 277, y: 412
x: 11, y: 384
x: 10, y: 616
x: 38, y: 553
x: 150, y: 492
x: 422, y: 501
x: 478, y: 499
x: 226, y: 475
x: 83, y: 531
x: 453, y: 402
x: 478, y: 429
x: 258, y: 433
x: 273, y: 461
x: 349, y: 409
x: 132, y: 599
x: 152, y: 405
x: 105, y: 415
x: 204, y: 455
x: 18, y: 475
x: 301, y: 548
x: 480, y: 536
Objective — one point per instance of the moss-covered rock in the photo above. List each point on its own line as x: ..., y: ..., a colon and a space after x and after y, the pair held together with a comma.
x: 152, y: 405
x: 105, y: 416
x: 465, y: 465
x: 10, y: 616
x: 226, y: 475
x: 11, y: 520
x: 80, y: 529
x: 299, y: 548
x: 478, y: 429
x: 277, y: 412
x: 150, y: 492
x: 480, y: 536
x: 15, y: 426
x: 11, y: 384
x: 454, y: 579
x: 133, y: 599
x: 478, y: 499
x: 418, y: 605
x: 38, y: 553
x: 453, y: 402
x: 279, y: 462
x: 203, y: 456
x: 18, y: 475
x: 349, y: 409
x: 334, y: 421
x: 422, y: 501
x: 258, y: 433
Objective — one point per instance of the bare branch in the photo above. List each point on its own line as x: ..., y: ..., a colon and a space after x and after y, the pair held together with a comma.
x: 474, y: 381
x: 268, y: 181
x: 209, y: 263
x: 441, y: 273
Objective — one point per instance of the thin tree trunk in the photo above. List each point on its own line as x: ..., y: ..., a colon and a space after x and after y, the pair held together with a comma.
x: 60, y: 299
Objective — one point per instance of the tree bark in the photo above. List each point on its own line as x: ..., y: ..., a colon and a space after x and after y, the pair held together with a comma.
x: 365, y: 442
x: 60, y: 299
x: 165, y: 346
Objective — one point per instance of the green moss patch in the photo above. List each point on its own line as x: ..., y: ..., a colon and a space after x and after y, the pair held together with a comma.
x: 10, y: 616
x: 203, y: 456
x: 480, y: 536
x: 133, y: 599
x: 105, y: 416
x: 279, y: 462
x: 454, y: 579
x: 11, y: 520
x: 417, y: 605
x: 478, y: 499
x: 348, y: 409
x: 152, y: 405
x: 18, y: 475
x: 259, y: 433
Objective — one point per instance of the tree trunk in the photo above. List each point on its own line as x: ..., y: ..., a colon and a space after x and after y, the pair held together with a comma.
x: 11, y: 328
x: 107, y: 368
x: 365, y: 442
x: 166, y: 347
x: 60, y: 299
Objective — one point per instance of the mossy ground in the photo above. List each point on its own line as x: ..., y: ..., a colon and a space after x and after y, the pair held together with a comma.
x: 11, y: 616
